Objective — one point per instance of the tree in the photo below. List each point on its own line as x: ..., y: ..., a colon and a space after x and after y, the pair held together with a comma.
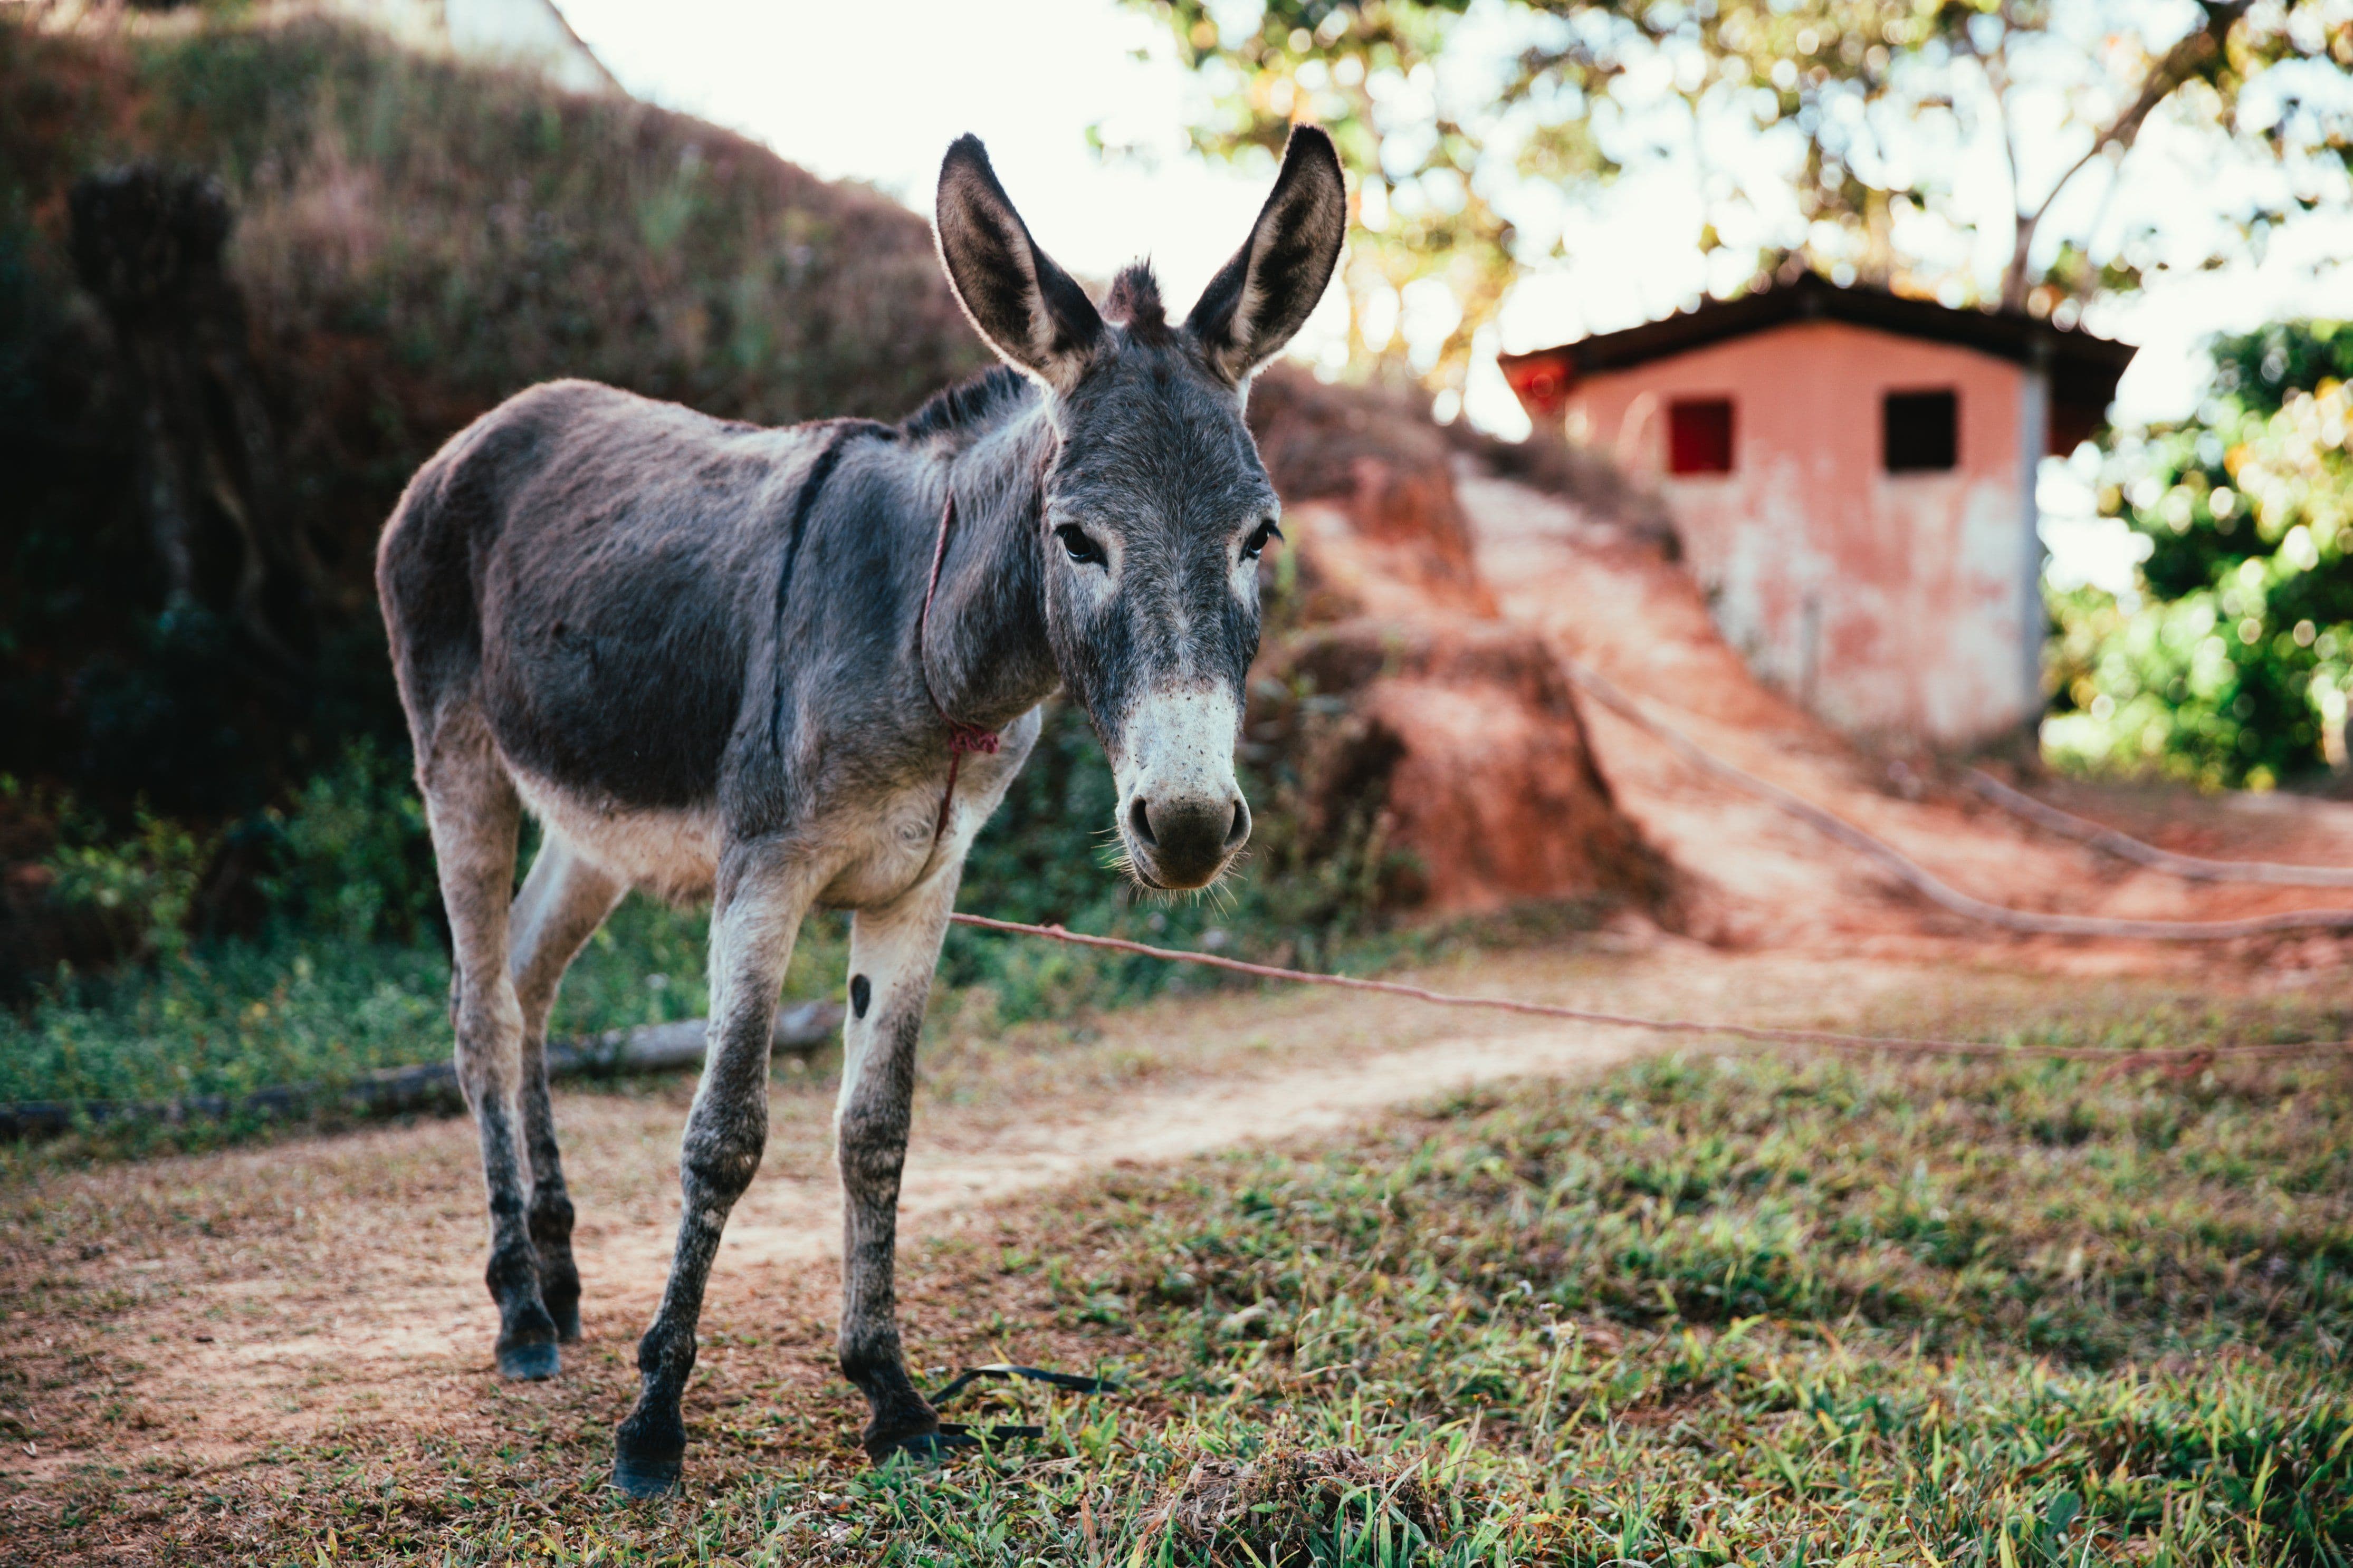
x: 1847, y: 132
x: 2237, y: 671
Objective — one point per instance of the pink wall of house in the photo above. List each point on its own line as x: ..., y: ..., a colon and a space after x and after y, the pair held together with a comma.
x: 1894, y: 603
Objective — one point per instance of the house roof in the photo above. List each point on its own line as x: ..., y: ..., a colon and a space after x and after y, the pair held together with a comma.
x: 2083, y: 367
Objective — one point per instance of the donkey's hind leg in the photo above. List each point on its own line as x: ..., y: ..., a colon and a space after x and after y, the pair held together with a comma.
x: 894, y: 951
x: 472, y: 809
x: 564, y: 901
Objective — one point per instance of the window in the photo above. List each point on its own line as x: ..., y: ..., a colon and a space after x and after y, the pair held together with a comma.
x: 1920, y: 431
x: 1699, y: 436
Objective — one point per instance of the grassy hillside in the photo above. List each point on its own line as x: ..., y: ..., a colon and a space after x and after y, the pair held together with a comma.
x: 414, y: 241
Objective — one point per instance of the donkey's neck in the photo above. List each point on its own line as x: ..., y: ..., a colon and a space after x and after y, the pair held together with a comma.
x: 985, y: 650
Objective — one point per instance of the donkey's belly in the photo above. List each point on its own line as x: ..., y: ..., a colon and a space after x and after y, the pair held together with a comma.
x: 672, y: 853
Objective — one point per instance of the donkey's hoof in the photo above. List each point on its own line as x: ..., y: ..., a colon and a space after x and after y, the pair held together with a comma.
x: 908, y: 1428
x: 567, y: 1321
x: 921, y: 1445
x: 645, y: 1478
x: 531, y: 1363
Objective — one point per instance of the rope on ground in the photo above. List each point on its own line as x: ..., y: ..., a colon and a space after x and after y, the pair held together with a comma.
x: 1919, y: 877
x: 2190, y: 867
x: 1831, y: 1039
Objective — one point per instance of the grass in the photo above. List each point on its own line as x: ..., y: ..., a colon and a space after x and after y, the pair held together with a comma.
x: 1708, y: 1310
x: 231, y: 1017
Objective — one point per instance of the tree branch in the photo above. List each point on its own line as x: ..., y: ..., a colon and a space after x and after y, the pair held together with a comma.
x: 2180, y: 64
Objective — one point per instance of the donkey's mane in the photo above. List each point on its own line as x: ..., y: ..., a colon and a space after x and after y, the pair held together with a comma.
x: 1134, y: 303
x: 972, y: 404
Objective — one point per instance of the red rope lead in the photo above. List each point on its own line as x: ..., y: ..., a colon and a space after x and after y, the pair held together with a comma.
x: 1825, y: 1037
x: 962, y: 737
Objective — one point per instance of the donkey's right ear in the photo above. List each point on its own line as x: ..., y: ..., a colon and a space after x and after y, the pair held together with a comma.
x: 1029, y: 310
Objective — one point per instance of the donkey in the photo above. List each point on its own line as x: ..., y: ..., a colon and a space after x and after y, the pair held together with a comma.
x: 785, y: 668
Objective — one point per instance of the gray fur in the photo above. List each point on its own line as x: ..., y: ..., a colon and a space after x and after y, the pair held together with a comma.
x: 691, y: 648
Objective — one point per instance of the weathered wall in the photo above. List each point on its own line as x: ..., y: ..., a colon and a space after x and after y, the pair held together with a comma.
x: 1900, y: 605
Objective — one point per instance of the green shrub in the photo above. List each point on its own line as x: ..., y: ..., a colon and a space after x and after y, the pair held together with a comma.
x: 354, y: 861
x: 141, y: 883
x: 2233, y: 668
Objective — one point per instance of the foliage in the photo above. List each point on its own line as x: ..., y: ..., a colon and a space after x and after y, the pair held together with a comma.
x: 1836, y: 128
x: 2236, y: 670
x: 348, y: 971
x: 354, y: 863
x: 145, y: 879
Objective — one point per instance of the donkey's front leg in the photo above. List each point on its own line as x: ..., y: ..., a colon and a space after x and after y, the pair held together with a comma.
x: 893, y: 950
x: 761, y: 900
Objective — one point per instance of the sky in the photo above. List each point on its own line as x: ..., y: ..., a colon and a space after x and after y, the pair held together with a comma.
x: 875, y: 90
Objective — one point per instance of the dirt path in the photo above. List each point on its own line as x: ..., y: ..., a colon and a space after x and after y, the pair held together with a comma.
x: 197, y: 1313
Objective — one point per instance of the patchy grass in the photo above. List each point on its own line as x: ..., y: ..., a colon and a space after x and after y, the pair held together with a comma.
x: 1709, y: 1310
x: 228, y: 1019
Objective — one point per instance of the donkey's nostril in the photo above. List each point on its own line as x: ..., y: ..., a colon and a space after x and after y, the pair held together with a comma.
x: 1238, y: 831
x: 1139, y: 817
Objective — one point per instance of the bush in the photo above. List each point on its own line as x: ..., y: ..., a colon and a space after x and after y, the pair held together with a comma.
x: 142, y: 883
x: 2234, y: 669
x: 355, y: 858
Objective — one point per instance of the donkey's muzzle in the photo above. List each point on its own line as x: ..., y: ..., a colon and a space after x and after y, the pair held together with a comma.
x: 1184, y: 842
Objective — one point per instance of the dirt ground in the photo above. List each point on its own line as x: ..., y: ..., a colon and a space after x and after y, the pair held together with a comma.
x: 204, y: 1314
x: 194, y: 1325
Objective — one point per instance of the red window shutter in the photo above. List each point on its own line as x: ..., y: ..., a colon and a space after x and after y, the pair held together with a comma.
x: 1699, y: 436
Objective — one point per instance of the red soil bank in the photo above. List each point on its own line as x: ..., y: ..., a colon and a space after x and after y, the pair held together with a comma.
x: 1415, y: 717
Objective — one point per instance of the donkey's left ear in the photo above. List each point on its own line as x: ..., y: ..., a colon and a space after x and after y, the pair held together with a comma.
x: 1264, y: 294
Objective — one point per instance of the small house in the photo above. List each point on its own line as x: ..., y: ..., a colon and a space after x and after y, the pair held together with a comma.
x: 1851, y: 475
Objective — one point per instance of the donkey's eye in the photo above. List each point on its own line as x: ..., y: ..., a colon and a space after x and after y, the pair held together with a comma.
x: 1261, y: 536
x: 1082, y: 546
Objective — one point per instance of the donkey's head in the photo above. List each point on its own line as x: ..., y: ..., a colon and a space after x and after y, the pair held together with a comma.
x: 1156, y: 507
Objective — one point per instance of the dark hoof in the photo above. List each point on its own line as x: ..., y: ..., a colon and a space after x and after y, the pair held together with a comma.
x: 919, y: 1445
x: 567, y: 1321
x: 909, y: 1428
x: 530, y: 1362
x: 645, y: 1479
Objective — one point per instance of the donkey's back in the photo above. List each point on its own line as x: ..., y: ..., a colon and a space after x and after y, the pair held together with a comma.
x: 575, y: 573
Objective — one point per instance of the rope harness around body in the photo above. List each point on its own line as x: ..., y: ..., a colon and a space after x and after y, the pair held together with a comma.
x: 962, y: 737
